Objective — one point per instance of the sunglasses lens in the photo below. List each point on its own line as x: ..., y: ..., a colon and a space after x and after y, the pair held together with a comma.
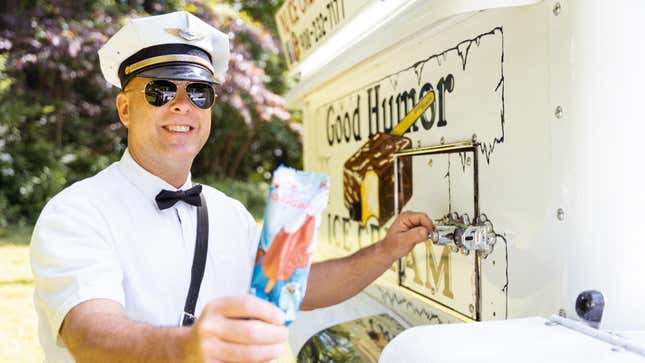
x: 201, y: 94
x: 160, y: 92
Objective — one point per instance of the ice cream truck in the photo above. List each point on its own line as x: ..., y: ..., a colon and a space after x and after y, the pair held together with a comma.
x: 516, y: 125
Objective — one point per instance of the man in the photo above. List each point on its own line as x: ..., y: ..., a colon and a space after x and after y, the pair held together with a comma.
x: 112, y: 266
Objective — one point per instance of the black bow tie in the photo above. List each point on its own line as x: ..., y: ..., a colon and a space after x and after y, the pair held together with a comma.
x: 166, y: 198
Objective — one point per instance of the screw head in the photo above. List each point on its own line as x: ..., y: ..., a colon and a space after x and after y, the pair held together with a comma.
x: 468, y: 161
x: 430, y: 163
x: 558, y: 112
x: 560, y: 214
x: 474, y: 138
x: 557, y: 8
x: 442, y: 141
x: 471, y: 308
x: 562, y: 313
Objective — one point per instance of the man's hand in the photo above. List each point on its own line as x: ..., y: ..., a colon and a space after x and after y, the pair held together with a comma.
x: 408, y: 229
x: 237, y: 329
x: 230, y: 329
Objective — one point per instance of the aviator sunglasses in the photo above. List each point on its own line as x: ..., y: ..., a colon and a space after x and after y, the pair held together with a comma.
x: 158, y: 92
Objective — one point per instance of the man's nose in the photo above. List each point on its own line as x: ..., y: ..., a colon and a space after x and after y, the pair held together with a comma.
x: 181, y: 103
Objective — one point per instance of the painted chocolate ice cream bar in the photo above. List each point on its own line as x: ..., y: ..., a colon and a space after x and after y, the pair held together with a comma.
x: 368, y: 175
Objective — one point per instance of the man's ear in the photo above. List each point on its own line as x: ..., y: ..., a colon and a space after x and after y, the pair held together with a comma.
x: 122, y: 107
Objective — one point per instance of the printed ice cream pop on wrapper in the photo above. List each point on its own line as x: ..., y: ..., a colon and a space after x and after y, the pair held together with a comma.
x: 291, y: 221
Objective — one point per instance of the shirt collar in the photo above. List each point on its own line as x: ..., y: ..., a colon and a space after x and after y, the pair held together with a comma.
x: 149, y: 184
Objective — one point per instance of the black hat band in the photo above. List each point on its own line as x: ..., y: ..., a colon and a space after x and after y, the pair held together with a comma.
x: 168, y: 59
x: 161, y: 54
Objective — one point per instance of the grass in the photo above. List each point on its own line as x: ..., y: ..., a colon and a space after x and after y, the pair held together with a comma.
x: 18, y: 335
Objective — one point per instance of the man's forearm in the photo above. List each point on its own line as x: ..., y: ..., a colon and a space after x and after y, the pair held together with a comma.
x: 104, y: 337
x: 232, y: 328
x: 333, y: 281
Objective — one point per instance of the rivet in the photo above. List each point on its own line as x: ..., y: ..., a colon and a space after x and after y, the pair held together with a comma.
x: 471, y: 308
x: 558, y: 112
x: 560, y: 214
x: 468, y: 161
x: 556, y: 9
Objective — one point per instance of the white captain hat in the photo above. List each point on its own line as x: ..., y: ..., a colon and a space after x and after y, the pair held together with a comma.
x: 177, y: 46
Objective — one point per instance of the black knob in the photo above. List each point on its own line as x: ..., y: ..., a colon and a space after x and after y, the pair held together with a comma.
x: 589, y: 306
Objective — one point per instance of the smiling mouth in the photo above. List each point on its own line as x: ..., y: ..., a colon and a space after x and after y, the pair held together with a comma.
x: 178, y: 128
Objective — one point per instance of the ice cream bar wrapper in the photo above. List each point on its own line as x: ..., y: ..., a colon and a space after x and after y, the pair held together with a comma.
x: 291, y: 221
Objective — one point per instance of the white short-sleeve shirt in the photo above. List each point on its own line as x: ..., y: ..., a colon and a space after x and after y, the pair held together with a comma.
x: 105, y: 237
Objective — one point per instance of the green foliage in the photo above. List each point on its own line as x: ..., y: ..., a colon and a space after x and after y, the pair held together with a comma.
x: 253, y: 195
x: 250, y: 153
x: 15, y: 235
x: 262, y: 11
x: 58, y: 122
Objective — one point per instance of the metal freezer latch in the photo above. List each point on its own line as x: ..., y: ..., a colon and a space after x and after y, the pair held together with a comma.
x: 464, y: 236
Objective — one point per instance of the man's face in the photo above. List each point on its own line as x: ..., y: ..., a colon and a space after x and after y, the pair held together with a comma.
x: 169, y: 134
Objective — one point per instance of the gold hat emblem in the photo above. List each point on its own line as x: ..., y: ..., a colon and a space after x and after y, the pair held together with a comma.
x: 186, y: 34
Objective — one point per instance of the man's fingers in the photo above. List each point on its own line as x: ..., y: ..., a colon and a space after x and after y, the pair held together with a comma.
x: 232, y: 352
x: 239, y: 328
x: 415, y: 235
x: 247, y: 306
x: 248, y: 331
x: 411, y: 220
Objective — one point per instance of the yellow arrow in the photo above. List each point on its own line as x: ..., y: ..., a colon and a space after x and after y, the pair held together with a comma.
x: 413, y: 115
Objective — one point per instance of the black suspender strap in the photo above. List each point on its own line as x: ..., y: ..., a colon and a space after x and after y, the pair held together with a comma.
x: 199, y: 264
